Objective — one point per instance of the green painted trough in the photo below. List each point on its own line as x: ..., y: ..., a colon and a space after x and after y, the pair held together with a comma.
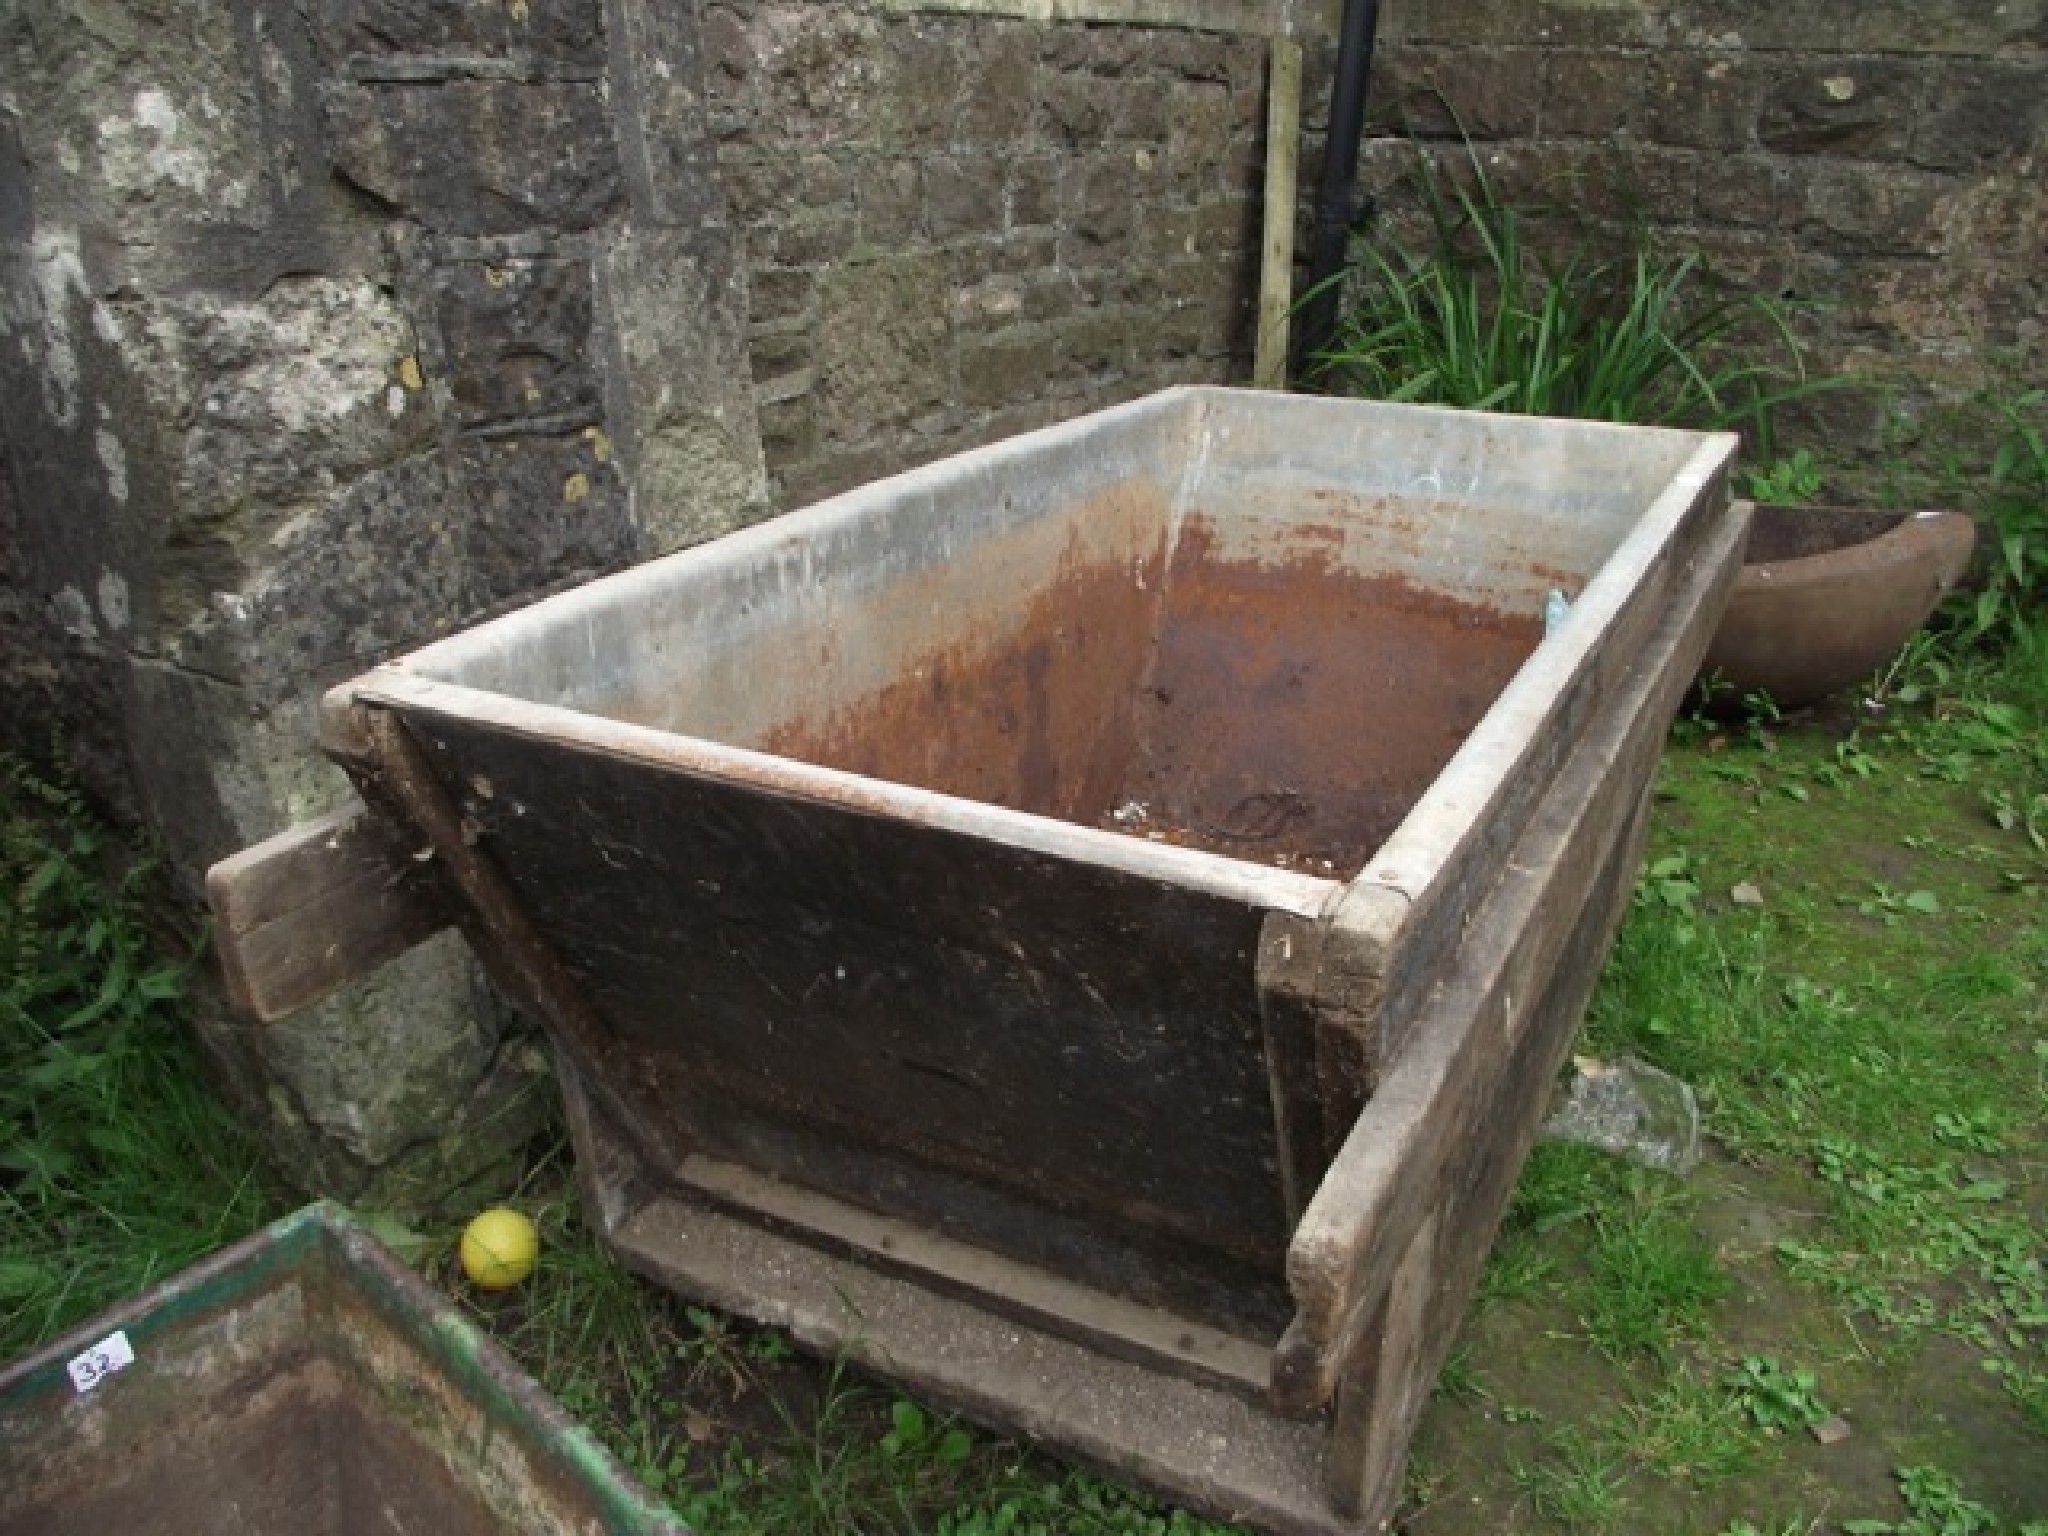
x: 305, y: 1383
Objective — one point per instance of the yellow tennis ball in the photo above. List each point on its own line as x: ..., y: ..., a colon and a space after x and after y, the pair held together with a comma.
x: 498, y: 1249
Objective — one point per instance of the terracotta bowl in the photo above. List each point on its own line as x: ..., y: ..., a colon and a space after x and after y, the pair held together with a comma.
x: 1827, y: 595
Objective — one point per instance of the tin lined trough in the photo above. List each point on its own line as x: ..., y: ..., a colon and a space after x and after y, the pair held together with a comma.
x: 1089, y: 925
x: 301, y: 1381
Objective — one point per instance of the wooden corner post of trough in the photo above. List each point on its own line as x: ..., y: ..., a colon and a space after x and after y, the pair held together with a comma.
x: 362, y: 728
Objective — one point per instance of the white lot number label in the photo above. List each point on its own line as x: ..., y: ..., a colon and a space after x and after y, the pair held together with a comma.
x: 101, y: 1361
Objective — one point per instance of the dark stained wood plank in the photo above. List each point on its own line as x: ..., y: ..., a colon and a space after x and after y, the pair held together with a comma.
x: 1062, y: 1060
x: 398, y: 779
x: 319, y: 906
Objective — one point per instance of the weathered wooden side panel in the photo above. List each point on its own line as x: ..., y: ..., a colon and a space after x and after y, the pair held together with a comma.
x: 891, y: 1011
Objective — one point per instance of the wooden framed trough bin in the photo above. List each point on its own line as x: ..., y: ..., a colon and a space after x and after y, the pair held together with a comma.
x: 1088, y: 926
x: 301, y: 1381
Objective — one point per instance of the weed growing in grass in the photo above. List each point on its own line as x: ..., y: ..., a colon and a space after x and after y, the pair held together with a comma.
x: 1653, y: 1279
x: 1774, y: 1398
x: 1788, y: 481
x: 1935, y: 1506
x: 1578, y: 1484
x: 1688, y: 1430
x: 117, y: 1165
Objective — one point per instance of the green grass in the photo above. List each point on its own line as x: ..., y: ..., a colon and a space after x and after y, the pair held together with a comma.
x: 117, y: 1165
x: 1870, y: 1045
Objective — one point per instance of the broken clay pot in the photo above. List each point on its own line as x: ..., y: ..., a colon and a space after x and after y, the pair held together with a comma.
x: 1828, y: 594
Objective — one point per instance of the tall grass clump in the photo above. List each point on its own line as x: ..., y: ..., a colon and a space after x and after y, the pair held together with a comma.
x: 117, y: 1164
x: 1479, y: 320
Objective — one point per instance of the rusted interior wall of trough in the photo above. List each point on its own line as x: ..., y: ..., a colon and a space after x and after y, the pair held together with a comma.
x: 1288, y: 711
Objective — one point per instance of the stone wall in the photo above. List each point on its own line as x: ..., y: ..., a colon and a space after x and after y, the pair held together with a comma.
x: 1877, y: 162
x: 959, y: 228
x: 327, y: 328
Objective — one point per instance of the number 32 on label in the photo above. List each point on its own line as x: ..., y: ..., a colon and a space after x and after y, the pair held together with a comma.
x: 101, y: 1361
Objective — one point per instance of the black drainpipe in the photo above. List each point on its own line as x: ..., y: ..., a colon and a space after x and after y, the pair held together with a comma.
x: 1337, y: 205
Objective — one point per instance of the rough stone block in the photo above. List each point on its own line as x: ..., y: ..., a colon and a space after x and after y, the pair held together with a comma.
x: 673, y: 317
x: 1199, y: 56
x: 1034, y: 193
x: 1481, y: 94
x: 1030, y: 251
x: 479, y: 157
x: 789, y: 433
x: 1853, y: 108
x: 812, y: 242
x: 1144, y: 110
x: 1983, y: 110
x: 1705, y: 100
x: 1203, y: 120
x: 1098, y: 50
x: 1633, y: 1110
x: 881, y: 344
x: 1661, y: 185
x: 311, y: 386
x: 923, y: 82
x: 1077, y: 111
x: 1007, y: 368
x: 1225, y: 231
x: 817, y: 75
x: 1735, y: 262
x: 374, y: 569
x: 2000, y: 215
x: 1742, y: 190
x: 765, y: 188
x: 1862, y: 207
x: 659, y: 96
x: 557, y: 31
x: 729, y: 57
x: 516, y: 337
x: 1095, y: 344
x: 1865, y: 26
x: 1002, y: 87
x: 775, y: 357
x: 138, y: 123
x: 991, y: 303
x: 1934, y: 306
x: 547, y: 512
x: 888, y: 198
x: 963, y: 198
x: 1098, y: 200
x: 779, y: 293
x: 1591, y: 95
